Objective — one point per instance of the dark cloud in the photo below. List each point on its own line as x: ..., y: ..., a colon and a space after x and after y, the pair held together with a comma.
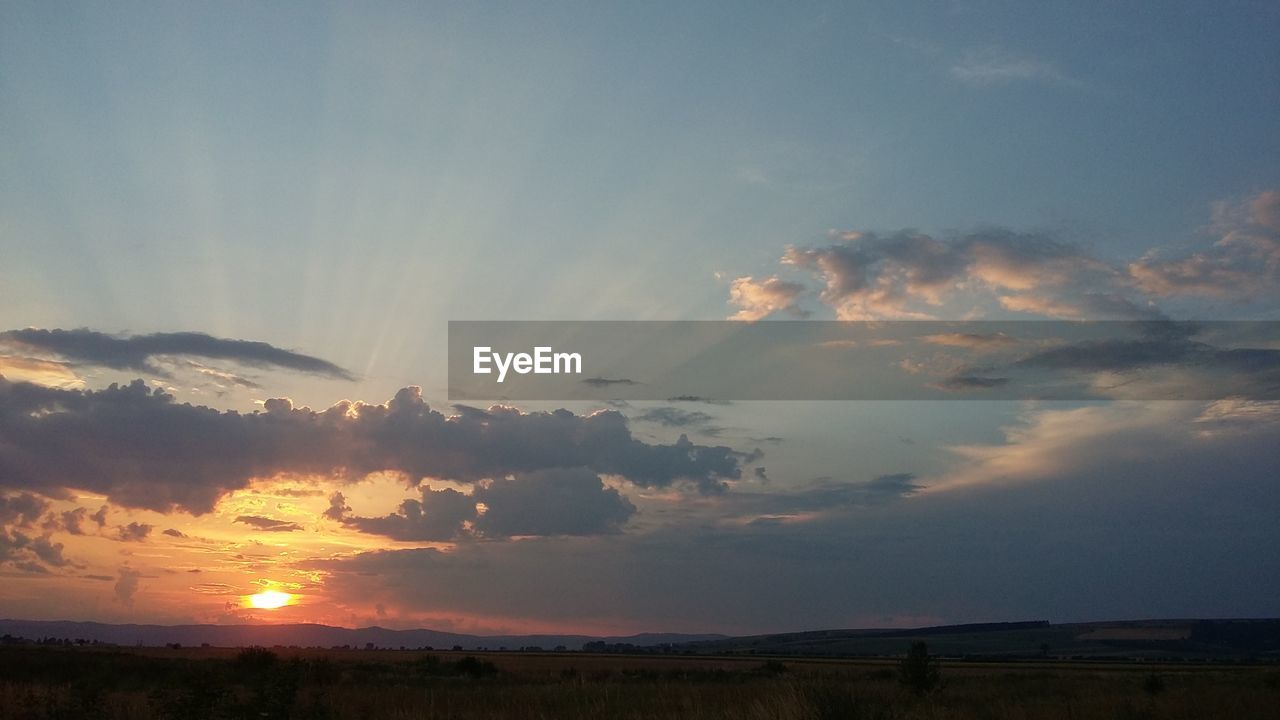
x: 137, y: 352
x: 49, y: 552
x: 959, y: 383
x: 560, y: 501
x: 606, y: 382
x: 142, y: 449
x: 268, y: 524
x: 438, y: 516
x: 23, y: 550
x: 822, y: 495
x: 697, y: 399
x: 1136, y: 525
x: 571, y: 501
x: 674, y: 417
x: 134, y: 532
x: 337, y: 509
x: 22, y: 509
x: 175, y: 533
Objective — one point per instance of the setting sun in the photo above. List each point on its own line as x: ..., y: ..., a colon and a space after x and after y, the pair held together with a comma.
x: 269, y: 600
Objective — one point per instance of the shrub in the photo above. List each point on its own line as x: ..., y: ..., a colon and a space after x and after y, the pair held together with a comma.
x: 255, y: 660
x: 474, y: 667
x: 918, y: 670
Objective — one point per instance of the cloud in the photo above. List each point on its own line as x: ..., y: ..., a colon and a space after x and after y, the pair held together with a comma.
x: 606, y: 382
x: 139, y: 447
x: 438, y: 516
x: 21, y: 550
x: 36, y: 370
x: 338, y: 508
x: 677, y: 418
x: 137, y: 352
x: 960, y: 383
x: 990, y: 65
x: 910, y: 275
x: 560, y: 501
x: 126, y: 586
x: 758, y: 299
x: 175, y: 533
x: 21, y: 510
x: 568, y: 501
x: 821, y: 497
x: 268, y: 524
x: 133, y: 532
x: 1242, y: 264
x: 975, y: 341
x: 1111, y: 510
x: 905, y: 275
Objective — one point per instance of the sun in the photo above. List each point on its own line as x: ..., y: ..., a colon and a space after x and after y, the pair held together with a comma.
x: 269, y: 600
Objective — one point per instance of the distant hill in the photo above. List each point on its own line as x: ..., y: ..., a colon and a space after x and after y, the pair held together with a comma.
x: 308, y: 635
x: 1154, y: 639
x: 1149, y: 639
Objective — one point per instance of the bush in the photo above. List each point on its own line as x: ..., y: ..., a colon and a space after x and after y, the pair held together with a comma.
x: 474, y: 667
x: 255, y: 660
x: 918, y: 670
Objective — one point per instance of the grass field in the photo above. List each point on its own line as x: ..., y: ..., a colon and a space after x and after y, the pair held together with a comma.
x: 195, y: 683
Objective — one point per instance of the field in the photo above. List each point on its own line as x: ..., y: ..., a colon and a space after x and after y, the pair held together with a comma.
x: 194, y: 683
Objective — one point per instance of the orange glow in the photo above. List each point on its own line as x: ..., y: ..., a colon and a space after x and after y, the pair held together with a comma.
x: 269, y: 600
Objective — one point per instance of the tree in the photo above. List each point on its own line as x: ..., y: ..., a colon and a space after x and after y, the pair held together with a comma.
x: 918, y: 670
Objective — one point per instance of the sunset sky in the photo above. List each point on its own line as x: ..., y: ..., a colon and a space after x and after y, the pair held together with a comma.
x: 232, y: 237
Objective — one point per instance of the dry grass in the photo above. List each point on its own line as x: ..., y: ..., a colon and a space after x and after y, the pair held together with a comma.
x: 47, y: 683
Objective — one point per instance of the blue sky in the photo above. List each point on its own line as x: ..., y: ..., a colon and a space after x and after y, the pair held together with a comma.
x: 342, y: 180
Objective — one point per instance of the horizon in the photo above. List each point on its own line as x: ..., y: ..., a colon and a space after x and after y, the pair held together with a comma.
x: 233, y: 239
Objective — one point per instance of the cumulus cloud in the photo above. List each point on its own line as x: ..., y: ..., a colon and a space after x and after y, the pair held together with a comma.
x: 904, y: 275
x: 137, y: 352
x: 127, y: 586
x: 22, y: 509
x: 139, y: 447
x: 758, y: 299
x: 1242, y: 264
x: 19, y: 547
x: 909, y: 275
x: 558, y: 501
x: 568, y: 501
x: 338, y: 508
x: 133, y: 532
x: 438, y: 516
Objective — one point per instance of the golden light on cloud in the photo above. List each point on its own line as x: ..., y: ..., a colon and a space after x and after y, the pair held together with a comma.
x: 269, y: 600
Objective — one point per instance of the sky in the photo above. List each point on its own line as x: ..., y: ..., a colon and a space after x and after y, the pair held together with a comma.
x: 232, y: 237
